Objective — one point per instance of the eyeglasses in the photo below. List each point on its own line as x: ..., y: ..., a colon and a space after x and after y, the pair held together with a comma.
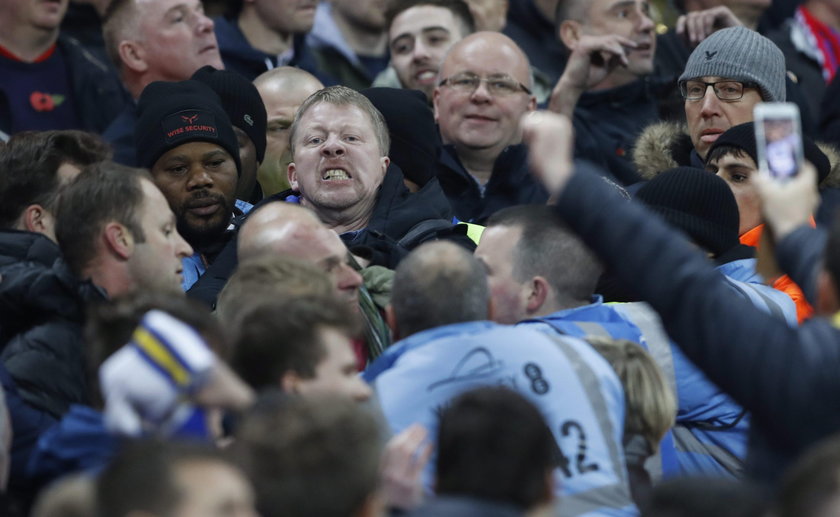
x: 497, y: 85
x: 724, y: 90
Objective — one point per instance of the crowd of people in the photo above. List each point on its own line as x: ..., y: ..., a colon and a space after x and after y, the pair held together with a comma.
x: 445, y: 258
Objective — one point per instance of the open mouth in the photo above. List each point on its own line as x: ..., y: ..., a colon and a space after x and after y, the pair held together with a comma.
x: 334, y: 175
x: 426, y: 76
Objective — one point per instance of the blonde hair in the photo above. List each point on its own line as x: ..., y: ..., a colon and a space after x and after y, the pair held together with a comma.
x: 651, y: 405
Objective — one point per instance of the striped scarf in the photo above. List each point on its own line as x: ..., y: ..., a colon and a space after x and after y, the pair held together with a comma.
x: 824, y: 38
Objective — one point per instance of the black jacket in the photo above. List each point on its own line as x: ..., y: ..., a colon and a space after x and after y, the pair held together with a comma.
x: 786, y: 377
x: 608, y: 122
x: 537, y: 37
x: 511, y: 183
x: 97, y: 91
x: 42, y: 314
x: 401, y: 220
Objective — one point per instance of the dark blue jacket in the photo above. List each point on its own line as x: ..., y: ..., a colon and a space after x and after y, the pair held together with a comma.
x: 97, y: 91
x: 120, y: 134
x: 511, y: 183
x: 607, y: 124
x: 238, y: 55
x: 786, y: 377
x: 42, y: 314
x: 537, y: 37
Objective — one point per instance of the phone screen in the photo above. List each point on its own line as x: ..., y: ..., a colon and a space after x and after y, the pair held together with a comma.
x: 779, y: 141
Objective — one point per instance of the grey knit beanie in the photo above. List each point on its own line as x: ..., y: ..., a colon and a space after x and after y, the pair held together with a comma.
x: 740, y: 54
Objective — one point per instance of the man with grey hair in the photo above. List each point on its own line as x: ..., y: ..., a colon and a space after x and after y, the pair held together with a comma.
x: 726, y: 76
x: 341, y: 170
x: 153, y: 40
x: 440, y: 304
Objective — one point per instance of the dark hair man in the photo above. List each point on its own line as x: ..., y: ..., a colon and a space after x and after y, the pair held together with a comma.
x: 187, y: 141
x: 495, y: 452
x: 300, y: 344
x: 604, y: 85
x: 43, y: 316
x: 310, y: 456
x: 116, y: 229
x: 153, y: 40
x: 50, y: 81
x: 173, y: 479
x: 420, y: 32
x: 439, y: 303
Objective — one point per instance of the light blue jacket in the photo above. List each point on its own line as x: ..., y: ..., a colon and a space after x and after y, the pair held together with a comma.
x: 575, y: 388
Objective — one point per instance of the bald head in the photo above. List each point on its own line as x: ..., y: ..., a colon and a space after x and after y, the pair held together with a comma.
x: 282, y: 90
x: 438, y: 284
x: 289, y: 230
x: 478, y: 119
x: 274, y: 228
x: 488, y: 49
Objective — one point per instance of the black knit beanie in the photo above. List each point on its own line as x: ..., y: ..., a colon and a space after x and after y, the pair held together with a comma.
x: 170, y: 114
x: 241, y: 101
x: 698, y: 203
x: 742, y: 137
x: 414, y: 136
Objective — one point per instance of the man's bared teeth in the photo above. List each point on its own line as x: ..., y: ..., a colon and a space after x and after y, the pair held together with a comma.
x: 336, y: 174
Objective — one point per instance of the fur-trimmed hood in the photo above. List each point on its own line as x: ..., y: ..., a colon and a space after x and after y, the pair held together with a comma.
x: 666, y: 145
x: 660, y: 147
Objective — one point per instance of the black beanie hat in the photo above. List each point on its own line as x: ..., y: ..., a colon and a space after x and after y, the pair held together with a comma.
x: 414, y: 137
x: 240, y: 100
x: 173, y: 113
x: 698, y: 203
x: 742, y: 136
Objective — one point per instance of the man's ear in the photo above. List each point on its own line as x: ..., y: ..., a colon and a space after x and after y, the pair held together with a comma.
x: 118, y: 240
x: 391, y: 320
x: 435, y: 95
x: 828, y: 300
x: 538, y: 295
x: 385, y: 161
x: 291, y: 175
x: 132, y: 55
x: 569, y: 33
x: 36, y: 218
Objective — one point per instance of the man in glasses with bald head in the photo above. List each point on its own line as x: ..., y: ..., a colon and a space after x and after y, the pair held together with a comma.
x: 483, y: 89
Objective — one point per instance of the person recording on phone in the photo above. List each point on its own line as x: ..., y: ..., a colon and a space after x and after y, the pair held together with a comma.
x: 786, y: 376
x: 733, y: 156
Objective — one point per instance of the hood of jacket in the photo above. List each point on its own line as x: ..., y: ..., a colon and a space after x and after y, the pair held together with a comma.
x: 660, y: 147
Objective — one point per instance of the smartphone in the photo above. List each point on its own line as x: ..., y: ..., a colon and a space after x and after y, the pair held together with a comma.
x: 778, y: 139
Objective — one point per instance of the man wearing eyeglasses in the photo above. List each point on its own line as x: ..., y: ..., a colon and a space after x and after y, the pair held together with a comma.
x: 725, y: 77
x: 483, y: 89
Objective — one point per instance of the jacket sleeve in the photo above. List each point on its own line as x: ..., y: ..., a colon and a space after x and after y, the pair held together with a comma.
x: 751, y: 355
x: 799, y: 256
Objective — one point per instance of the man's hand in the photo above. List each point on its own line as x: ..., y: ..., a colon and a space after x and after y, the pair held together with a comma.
x: 699, y: 25
x: 403, y: 461
x: 788, y: 205
x: 550, y: 140
x: 591, y: 60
